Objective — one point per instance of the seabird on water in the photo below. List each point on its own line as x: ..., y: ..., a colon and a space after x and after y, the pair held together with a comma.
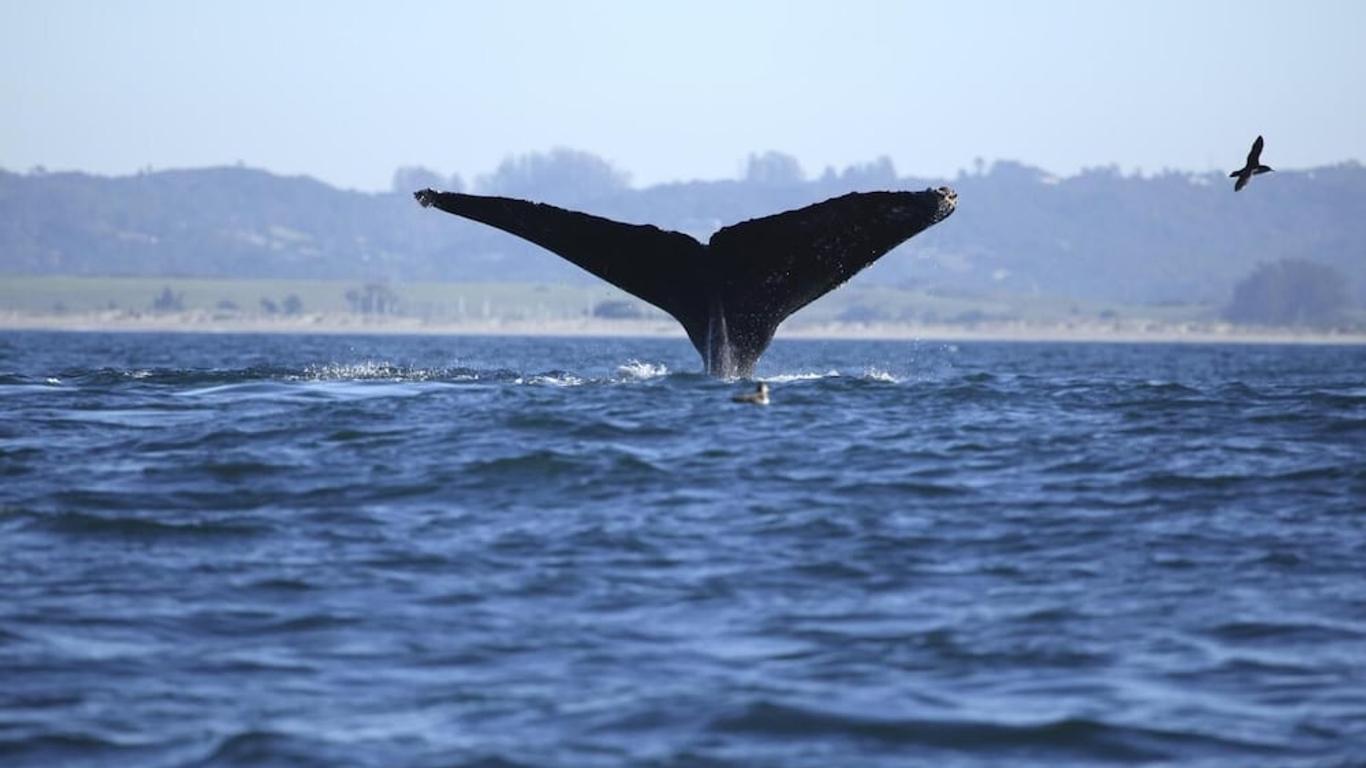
x: 1254, y: 166
x: 758, y: 397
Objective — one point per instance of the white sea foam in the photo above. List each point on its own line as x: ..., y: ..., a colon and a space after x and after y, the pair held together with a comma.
x: 369, y: 370
x: 877, y: 374
x: 783, y: 378
x: 552, y: 380
x: 635, y: 369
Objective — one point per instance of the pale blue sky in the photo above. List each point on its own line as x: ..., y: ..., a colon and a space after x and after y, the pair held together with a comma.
x: 346, y: 91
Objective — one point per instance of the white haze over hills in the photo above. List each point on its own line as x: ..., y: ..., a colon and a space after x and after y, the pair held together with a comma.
x: 1172, y: 237
x: 1042, y: 115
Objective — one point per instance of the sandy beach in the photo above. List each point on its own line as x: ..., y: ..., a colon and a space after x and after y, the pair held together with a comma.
x: 1131, y: 331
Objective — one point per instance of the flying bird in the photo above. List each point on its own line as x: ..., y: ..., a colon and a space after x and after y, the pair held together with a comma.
x: 1254, y: 166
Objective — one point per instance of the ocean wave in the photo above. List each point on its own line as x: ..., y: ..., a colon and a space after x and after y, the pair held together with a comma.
x: 983, y: 562
x: 551, y: 379
x: 1344, y: 425
x: 1180, y: 481
x: 1167, y: 387
x: 276, y: 748
x: 374, y: 370
x: 1280, y: 631
x: 869, y: 373
x: 362, y: 371
x: 1343, y: 399
x: 877, y: 374
x: 366, y: 371
x: 1067, y: 738
x: 178, y: 377
x: 69, y: 748
x: 90, y: 524
x: 280, y: 584
x: 905, y: 488
x: 535, y: 464
x: 604, y: 428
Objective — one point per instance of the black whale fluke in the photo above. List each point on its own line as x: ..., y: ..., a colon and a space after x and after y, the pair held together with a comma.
x: 731, y: 294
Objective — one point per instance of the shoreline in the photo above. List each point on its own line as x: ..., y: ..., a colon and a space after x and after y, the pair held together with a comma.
x: 1120, y: 331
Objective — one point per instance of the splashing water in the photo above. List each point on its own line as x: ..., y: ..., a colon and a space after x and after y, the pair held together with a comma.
x: 635, y: 369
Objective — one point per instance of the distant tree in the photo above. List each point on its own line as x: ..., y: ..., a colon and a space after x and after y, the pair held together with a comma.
x: 562, y: 174
x: 410, y: 178
x: 1101, y: 238
x: 168, y: 301
x: 1110, y: 171
x: 372, y: 299
x: 861, y: 313
x: 617, y: 309
x: 1290, y: 292
x: 1018, y: 174
x: 292, y: 305
x: 268, y: 306
x: 879, y: 174
x: 774, y: 169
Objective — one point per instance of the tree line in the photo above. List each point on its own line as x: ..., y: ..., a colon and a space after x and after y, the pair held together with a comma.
x: 1099, y: 235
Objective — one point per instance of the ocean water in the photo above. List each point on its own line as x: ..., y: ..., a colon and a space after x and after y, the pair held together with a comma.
x: 235, y: 550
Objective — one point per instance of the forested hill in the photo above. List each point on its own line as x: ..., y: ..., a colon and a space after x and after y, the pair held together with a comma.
x: 1098, y: 235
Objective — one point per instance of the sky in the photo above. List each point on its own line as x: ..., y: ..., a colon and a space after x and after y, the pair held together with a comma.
x: 348, y: 91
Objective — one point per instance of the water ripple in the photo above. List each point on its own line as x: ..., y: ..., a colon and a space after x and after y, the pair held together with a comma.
x: 434, y: 551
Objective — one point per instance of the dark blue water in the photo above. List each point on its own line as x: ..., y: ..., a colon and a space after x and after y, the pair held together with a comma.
x: 420, y: 551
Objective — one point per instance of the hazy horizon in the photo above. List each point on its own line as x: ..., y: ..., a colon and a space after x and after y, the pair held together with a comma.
x: 634, y: 183
x: 346, y: 93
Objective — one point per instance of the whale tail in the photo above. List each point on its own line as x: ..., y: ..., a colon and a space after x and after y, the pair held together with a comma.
x: 731, y: 294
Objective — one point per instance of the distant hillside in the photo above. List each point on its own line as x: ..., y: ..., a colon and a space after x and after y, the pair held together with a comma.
x: 1100, y: 235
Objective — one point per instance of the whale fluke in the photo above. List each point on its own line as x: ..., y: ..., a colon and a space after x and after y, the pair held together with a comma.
x: 731, y: 294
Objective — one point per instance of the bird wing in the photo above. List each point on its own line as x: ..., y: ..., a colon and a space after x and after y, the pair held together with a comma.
x: 1254, y: 158
x: 1242, y: 181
